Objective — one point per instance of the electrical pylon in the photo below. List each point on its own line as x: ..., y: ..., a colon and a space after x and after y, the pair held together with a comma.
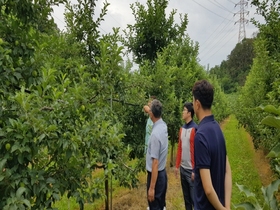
x: 242, y: 20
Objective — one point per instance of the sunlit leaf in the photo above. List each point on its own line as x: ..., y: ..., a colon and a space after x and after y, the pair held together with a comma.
x: 270, y: 109
x: 271, y: 121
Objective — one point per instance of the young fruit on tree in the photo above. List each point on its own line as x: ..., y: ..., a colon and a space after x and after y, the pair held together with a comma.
x: 83, y: 107
x: 8, y: 146
x: 34, y: 73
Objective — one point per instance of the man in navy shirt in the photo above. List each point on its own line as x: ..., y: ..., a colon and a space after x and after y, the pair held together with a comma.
x: 213, y: 182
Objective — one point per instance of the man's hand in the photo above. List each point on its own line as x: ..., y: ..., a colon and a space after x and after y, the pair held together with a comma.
x: 146, y: 109
x: 192, y: 177
x: 176, y: 172
x: 151, y: 194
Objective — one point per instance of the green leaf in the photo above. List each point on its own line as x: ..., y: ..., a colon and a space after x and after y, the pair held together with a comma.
x: 2, y: 164
x: 1, y: 178
x: 249, y: 194
x: 27, y: 203
x: 245, y: 205
x: 56, y: 196
x: 244, y: 189
x: 15, y: 147
x: 41, y: 137
x: 52, y: 128
x: 17, y: 75
x: 275, y: 152
x: 270, y: 189
x: 20, y: 159
x: 271, y: 121
x: 20, y: 191
x: 50, y: 180
x: 270, y: 109
x: 277, y: 168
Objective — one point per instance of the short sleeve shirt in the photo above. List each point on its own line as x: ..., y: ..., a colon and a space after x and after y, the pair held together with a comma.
x: 157, y: 146
x: 210, y: 153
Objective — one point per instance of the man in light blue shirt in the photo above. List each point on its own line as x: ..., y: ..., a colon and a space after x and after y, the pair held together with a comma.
x: 156, y: 159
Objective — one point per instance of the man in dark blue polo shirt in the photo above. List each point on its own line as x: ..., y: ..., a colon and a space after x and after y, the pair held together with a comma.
x: 213, y: 182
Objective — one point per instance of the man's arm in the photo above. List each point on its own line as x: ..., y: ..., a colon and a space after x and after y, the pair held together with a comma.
x: 146, y: 109
x: 179, y: 154
x: 228, y: 185
x: 209, y: 190
x: 151, y: 192
x: 192, y: 151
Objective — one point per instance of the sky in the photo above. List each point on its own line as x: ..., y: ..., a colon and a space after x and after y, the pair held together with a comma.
x: 214, y: 24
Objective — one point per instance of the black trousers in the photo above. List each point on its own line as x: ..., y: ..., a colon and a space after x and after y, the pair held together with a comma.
x: 160, y: 190
x: 187, y: 187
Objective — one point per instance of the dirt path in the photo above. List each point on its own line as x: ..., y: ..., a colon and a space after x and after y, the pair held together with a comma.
x: 262, y: 164
x: 136, y: 199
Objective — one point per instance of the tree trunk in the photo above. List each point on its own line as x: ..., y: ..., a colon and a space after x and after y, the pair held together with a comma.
x: 106, y: 193
x: 172, y: 154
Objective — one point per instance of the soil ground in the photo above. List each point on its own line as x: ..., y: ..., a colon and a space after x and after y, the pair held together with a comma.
x: 136, y: 199
x: 262, y: 165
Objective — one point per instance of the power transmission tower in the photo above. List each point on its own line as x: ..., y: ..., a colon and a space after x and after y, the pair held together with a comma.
x: 242, y: 21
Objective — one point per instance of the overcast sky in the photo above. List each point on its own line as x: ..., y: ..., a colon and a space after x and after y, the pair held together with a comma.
x: 212, y: 23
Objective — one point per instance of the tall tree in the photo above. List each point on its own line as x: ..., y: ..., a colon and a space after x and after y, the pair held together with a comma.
x: 153, y: 30
x: 84, y: 27
x: 262, y: 83
x: 240, y: 60
x: 232, y: 72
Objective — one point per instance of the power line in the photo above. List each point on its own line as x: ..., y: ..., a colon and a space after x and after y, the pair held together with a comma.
x: 221, y: 6
x: 57, y: 18
x: 220, y: 48
x: 231, y: 1
x: 214, y: 31
x: 217, y: 43
x: 212, y: 11
x: 114, y: 19
x: 217, y: 39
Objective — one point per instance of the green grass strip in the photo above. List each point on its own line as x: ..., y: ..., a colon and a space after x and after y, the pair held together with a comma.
x: 241, y: 158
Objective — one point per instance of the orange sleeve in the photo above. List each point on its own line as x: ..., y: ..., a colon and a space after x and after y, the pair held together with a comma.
x: 192, y: 146
x: 179, y: 150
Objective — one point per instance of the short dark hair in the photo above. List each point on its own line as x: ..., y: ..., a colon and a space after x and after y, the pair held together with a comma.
x: 189, y: 106
x: 156, y: 108
x: 204, y: 92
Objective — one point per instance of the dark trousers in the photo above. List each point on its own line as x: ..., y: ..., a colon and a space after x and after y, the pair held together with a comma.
x: 187, y: 187
x: 160, y: 190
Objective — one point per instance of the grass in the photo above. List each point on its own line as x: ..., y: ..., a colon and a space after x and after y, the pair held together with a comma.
x: 244, y: 172
x: 241, y: 158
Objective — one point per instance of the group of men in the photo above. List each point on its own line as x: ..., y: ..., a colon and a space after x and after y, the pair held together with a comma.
x: 201, y: 155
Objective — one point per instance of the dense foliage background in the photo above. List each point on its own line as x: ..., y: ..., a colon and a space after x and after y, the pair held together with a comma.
x: 70, y: 102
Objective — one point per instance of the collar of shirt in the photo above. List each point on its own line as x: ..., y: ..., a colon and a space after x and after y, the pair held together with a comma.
x: 207, y: 119
x: 158, y: 122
